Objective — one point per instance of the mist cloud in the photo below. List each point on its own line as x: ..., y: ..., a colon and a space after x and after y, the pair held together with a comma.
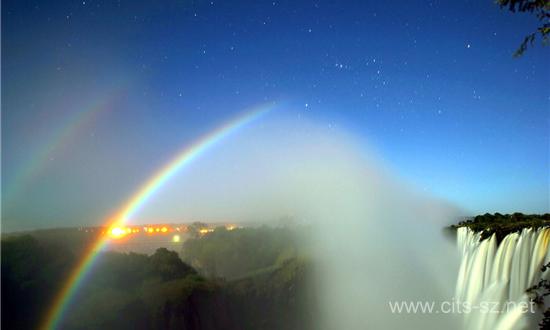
x: 375, y: 239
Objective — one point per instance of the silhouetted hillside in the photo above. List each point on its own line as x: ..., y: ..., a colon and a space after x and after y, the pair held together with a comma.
x: 160, y: 291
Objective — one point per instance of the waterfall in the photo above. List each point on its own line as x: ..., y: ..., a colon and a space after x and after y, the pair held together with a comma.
x: 493, y: 277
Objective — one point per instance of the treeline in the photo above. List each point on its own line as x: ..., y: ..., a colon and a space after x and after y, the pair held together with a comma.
x: 238, y: 253
x: 269, y: 287
x: 504, y: 224
x: 31, y: 275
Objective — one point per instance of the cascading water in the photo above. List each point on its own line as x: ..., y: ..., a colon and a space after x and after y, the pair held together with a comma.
x: 493, y: 278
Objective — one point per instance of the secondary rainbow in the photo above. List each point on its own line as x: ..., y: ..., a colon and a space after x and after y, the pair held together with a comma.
x: 184, y: 157
x: 67, y: 133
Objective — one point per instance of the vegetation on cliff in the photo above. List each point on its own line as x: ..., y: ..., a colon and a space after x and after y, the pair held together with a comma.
x: 538, y: 292
x: 504, y: 224
x: 255, y: 283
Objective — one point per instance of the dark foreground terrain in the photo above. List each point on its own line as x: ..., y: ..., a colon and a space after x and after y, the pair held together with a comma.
x: 251, y: 278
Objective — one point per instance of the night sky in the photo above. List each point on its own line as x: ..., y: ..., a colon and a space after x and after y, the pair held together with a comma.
x: 96, y: 95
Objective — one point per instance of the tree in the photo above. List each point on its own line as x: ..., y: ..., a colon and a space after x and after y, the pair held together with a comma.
x: 541, y: 9
x: 538, y: 292
x: 169, y: 266
x: 195, y: 228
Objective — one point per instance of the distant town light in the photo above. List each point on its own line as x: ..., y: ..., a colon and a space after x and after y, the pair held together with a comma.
x: 117, y: 232
x: 123, y: 231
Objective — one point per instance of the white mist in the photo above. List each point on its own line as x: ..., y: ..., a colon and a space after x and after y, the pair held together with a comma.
x: 375, y: 240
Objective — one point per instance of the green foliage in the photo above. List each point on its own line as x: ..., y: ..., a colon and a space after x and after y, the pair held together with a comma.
x: 160, y: 291
x: 281, y: 298
x: 504, y: 224
x: 239, y: 252
x: 131, y: 285
x: 538, y: 293
x: 195, y: 227
x: 168, y: 265
x: 541, y: 9
x: 30, y: 278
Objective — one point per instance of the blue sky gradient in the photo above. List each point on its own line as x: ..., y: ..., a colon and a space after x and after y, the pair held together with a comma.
x: 431, y: 85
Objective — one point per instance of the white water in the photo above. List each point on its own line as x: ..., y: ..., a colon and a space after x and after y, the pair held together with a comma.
x: 496, y: 276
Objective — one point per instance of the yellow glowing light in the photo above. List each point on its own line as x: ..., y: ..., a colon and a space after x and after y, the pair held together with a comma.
x: 176, y: 238
x: 157, y: 230
x: 128, y: 230
x: 117, y: 232
x: 164, y: 229
x: 204, y: 231
x: 150, y: 230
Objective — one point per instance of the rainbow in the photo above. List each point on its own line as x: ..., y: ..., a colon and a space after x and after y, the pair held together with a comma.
x: 58, y: 140
x: 148, y: 189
